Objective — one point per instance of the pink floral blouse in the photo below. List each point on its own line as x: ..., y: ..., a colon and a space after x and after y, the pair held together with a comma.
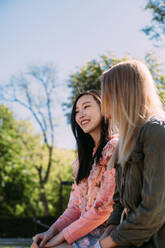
x: 90, y: 201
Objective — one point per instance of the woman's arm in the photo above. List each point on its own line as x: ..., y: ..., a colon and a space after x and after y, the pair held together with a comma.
x: 113, y: 221
x: 149, y: 216
x: 71, y: 214
x: 102, y: 206
x: 97, y: 214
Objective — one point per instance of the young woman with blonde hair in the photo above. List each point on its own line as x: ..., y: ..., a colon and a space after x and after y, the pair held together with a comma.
x: 83, y: 222
x: 130, y: 99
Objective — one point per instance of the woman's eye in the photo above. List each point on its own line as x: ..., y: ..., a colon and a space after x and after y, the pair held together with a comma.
x: 86, y: 106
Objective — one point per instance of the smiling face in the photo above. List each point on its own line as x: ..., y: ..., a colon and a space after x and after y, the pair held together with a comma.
x: 88, y: 114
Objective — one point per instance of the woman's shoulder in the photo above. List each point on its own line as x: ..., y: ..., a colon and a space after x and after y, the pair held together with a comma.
x: 153, y: 128
x: 112, y: 142
x: 156, y: 123
x: 109, y: 147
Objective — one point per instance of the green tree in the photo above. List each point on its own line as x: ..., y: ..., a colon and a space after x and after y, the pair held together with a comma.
x: 157, y: 70
x: 14, y: 176
x: 21, y: 151
x: 61, y: 172
x: 34, y: 153
x: 157, y: 27
x: 35, y: 92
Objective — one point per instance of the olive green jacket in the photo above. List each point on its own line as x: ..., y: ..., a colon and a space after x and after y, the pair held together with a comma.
x: 140, y: 188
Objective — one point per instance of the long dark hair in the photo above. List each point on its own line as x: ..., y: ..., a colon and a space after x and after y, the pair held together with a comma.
x: 85, y: 142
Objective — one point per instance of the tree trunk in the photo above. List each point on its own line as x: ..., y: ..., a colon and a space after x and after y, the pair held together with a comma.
x: 45, y: 203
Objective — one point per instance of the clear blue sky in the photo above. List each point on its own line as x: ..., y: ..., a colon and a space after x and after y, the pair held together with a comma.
x: 69, y: 33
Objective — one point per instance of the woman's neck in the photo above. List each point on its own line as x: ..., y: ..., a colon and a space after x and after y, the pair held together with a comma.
x: 96, y: 138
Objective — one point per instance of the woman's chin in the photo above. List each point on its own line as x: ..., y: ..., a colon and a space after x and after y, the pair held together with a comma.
x: 86, y: 130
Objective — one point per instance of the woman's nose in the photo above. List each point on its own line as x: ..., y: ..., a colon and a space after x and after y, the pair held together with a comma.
x: 81, y: 113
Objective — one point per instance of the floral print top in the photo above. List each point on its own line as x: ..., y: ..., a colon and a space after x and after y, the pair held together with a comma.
x: 91, y: 200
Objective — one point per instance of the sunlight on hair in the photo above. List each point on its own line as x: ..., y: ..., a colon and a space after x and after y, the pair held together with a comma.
x: 130, y: 97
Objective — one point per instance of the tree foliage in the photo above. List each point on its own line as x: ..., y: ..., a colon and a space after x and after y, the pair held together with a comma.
x: 21, y: 150
x: 35, y: 92
x: 157, y: 70
x: 14, y: 176
x: 157, y: 27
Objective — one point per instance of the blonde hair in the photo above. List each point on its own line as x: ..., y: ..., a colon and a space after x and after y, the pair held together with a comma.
x: 129, y: 99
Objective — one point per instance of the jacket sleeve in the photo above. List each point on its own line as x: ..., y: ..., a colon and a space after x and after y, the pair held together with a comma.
x: 149, y: 216
x: 117, y: 209
x: 72, y: 212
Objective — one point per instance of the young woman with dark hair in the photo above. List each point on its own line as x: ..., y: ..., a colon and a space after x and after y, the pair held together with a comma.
x: 83, y: 222
x: 85, y: 142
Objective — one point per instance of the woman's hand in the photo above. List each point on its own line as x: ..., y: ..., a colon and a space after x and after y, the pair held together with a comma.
x: 107, y: 231
x: 39, y: 240
x: 57, y: 240
x: 108, y: 243
x: 105, y: 240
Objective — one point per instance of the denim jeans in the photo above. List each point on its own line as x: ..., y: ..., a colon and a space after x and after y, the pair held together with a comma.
x: 90, y: 240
